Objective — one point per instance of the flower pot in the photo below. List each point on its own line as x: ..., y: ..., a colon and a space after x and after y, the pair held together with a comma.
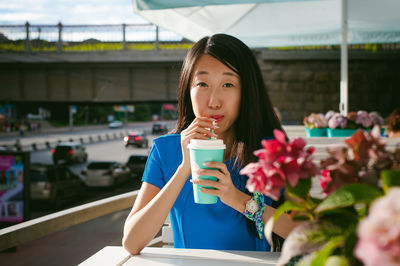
x: 346, y: 132
x: 340, y: 132
x: 315, y: 132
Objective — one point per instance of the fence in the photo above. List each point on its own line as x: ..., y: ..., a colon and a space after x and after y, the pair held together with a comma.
x: 64, y: 38
x: 67, y: 38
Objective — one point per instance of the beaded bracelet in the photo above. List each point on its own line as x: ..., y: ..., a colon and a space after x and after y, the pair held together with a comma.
x: 257, y: 217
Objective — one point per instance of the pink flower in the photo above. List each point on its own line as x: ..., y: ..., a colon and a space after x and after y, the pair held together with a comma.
x: 363, y: 119
x: 352, y: 116
x: 279, y: 162
x: 376, y: 118
x: 329, y: 115
x: 324, y: 180
x: 360, y: 145
x: 257, y: 178
x: 273, y: 148
x: 264, y: 178
x: 315, y: 121
x: 379, y: 232
x: 338, y: 170
x: 274, y: 182
x: 337, y: 120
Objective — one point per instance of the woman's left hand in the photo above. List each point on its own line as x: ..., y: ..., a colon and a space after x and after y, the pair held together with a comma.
x: 224, y: 188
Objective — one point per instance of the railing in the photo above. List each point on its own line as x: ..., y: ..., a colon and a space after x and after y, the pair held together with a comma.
x: 122, y: 37
x: 33, y: 229
x: 65, y: 38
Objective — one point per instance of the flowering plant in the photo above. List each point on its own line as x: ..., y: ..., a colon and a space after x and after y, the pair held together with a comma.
x: 315, y: 121
x: 343, y: 226
x: 353, y: 120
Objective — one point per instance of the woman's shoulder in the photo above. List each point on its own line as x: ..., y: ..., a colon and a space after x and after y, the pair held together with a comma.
x: 167, y: 141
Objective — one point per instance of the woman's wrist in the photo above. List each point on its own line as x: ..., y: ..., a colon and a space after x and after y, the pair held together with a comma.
x: 184, y: 170
x: 254, y: 211
x: 238, y: 200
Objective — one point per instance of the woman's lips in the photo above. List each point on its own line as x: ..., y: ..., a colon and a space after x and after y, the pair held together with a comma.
x: 216, y: 117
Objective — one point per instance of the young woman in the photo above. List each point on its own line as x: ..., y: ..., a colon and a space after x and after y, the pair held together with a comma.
x: 221, y: 94
x: 393, y: 127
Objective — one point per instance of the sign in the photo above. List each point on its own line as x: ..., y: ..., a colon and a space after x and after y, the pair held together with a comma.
x: 14, y: 187
x: 73, y: 109
x: 124, y: 108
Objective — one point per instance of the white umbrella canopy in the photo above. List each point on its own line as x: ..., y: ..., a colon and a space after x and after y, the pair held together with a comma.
x: 274, y: 23
x: 268, y: 23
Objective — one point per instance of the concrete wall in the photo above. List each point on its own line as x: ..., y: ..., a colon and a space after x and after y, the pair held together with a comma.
x: 89, y: 83
x: 299, y: 86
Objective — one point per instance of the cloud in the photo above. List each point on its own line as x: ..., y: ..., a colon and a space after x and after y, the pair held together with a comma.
x: 68, y: 12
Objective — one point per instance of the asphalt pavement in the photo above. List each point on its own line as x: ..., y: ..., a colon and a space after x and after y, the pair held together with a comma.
x: 48, y: 137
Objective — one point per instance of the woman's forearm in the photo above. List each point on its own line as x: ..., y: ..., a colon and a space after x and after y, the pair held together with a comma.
x: 282, y: 226
x: 144, y: 223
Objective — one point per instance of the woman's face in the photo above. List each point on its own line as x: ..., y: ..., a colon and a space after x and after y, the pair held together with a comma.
x: 215, y: 92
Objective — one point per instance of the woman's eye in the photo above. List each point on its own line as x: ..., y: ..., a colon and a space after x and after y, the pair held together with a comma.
x: 202, y: 84
x: 228, y: 85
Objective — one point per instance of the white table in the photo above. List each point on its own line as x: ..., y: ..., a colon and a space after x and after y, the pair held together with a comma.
x: 112, y: 255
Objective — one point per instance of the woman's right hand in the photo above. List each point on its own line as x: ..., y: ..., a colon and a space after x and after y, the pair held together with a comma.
x: 200, y: 128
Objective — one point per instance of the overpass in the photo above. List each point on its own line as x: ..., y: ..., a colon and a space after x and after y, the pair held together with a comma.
x: 298, y: 82
x: 141, y: 63
x: 99, y: 76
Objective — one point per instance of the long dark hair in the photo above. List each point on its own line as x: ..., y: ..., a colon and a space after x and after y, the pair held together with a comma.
x: 256, y: 119
x: 394, y: 121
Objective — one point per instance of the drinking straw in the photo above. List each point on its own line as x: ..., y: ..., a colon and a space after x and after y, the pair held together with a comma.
x: 212, y: 130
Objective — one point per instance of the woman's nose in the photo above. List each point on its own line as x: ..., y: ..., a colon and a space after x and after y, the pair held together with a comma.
x: 214, y: 101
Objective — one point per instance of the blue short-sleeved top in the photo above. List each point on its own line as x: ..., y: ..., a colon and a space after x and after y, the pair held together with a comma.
x: 201, y: 226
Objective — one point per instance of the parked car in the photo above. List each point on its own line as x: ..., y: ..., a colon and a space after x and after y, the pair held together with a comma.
x: 55, y: 184
x: 106, y: 174
x: 159, y: 128
x: 115, y: 124
x: 136, y: 139
x: 136, y: 164
x: 69, y: 152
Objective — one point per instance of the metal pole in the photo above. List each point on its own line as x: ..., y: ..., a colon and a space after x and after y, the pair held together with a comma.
x: 27, y: 41
x: 71, y: 118
x: 124, y: 36
x: 157, y: 47
x: 40, y: 44
x: 59, y: 42
x: 343, y: 107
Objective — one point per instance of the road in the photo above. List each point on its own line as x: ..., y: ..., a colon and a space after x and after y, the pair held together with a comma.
x: 111, y: 150
x: 114, y: 150
x: 76, y: 243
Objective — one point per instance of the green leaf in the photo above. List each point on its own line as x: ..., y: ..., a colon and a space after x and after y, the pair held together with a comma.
x: 362, y: 210
x: 337, y: 261
x: 301, y: 189
x: 308, y: 237
x: 345, y: 218
x: 350, y: 242
x: 390, y: 178
x: 286, y: 207
x: 348, y: 196
x: 301, y: 217
x: 326, y: 251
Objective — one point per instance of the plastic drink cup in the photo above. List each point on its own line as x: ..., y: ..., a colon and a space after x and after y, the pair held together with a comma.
x: 202, y: 151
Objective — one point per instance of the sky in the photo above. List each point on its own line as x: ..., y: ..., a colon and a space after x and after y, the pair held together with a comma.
x: 17, y: 12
